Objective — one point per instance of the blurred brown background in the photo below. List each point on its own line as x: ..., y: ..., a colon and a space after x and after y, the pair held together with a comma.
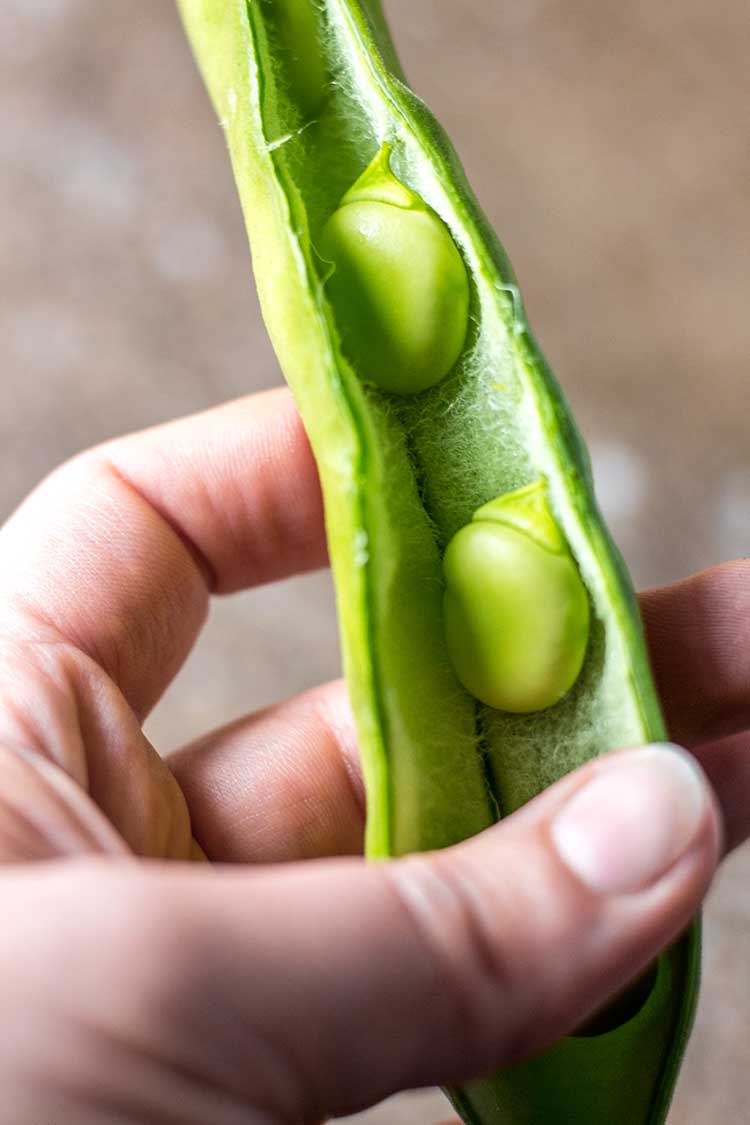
x: 609, y: 145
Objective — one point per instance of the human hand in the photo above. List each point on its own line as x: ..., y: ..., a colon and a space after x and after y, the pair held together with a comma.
x: 136, y: 989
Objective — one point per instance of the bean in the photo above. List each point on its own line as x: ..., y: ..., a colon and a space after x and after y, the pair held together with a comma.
x: 398, y: 285
x: 516, y: 610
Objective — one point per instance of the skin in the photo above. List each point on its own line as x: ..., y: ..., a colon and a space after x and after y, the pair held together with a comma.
x: 138, y: 986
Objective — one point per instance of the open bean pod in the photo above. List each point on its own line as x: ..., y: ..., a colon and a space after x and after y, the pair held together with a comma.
x: 491, y: 638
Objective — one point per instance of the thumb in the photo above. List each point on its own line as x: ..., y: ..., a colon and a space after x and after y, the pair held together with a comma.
x: 362, y: 980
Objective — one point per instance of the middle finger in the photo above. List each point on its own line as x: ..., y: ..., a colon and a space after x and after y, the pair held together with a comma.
x: 281, y: 784
x: 285, y: 783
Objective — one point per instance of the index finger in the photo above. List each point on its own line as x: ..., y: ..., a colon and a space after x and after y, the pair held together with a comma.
x: 118, y: 551
x: 697, y: 632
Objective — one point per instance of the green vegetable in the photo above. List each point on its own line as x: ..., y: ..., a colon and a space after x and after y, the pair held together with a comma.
x: 403, y: 473
x: 398, y: 287
x: 293, y: 26
x: 516, y: 611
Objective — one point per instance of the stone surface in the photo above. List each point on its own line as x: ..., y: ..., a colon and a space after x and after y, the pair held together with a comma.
x: 607, y: 143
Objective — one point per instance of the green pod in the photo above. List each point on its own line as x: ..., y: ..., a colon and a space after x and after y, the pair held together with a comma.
x: 295, y: 29
x: 402, y: 474
x: 516, y: 610
x: 397, y: 283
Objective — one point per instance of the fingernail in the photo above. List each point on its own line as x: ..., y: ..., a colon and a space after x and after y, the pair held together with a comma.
x: 632, y: 821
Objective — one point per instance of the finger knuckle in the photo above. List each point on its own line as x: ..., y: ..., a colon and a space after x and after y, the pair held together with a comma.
x: 473, y: 958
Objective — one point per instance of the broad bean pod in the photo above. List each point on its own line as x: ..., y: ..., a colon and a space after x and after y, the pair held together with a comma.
x: 426, y: 398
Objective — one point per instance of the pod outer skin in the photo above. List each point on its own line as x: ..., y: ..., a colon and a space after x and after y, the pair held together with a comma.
x: 580, y: 1080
